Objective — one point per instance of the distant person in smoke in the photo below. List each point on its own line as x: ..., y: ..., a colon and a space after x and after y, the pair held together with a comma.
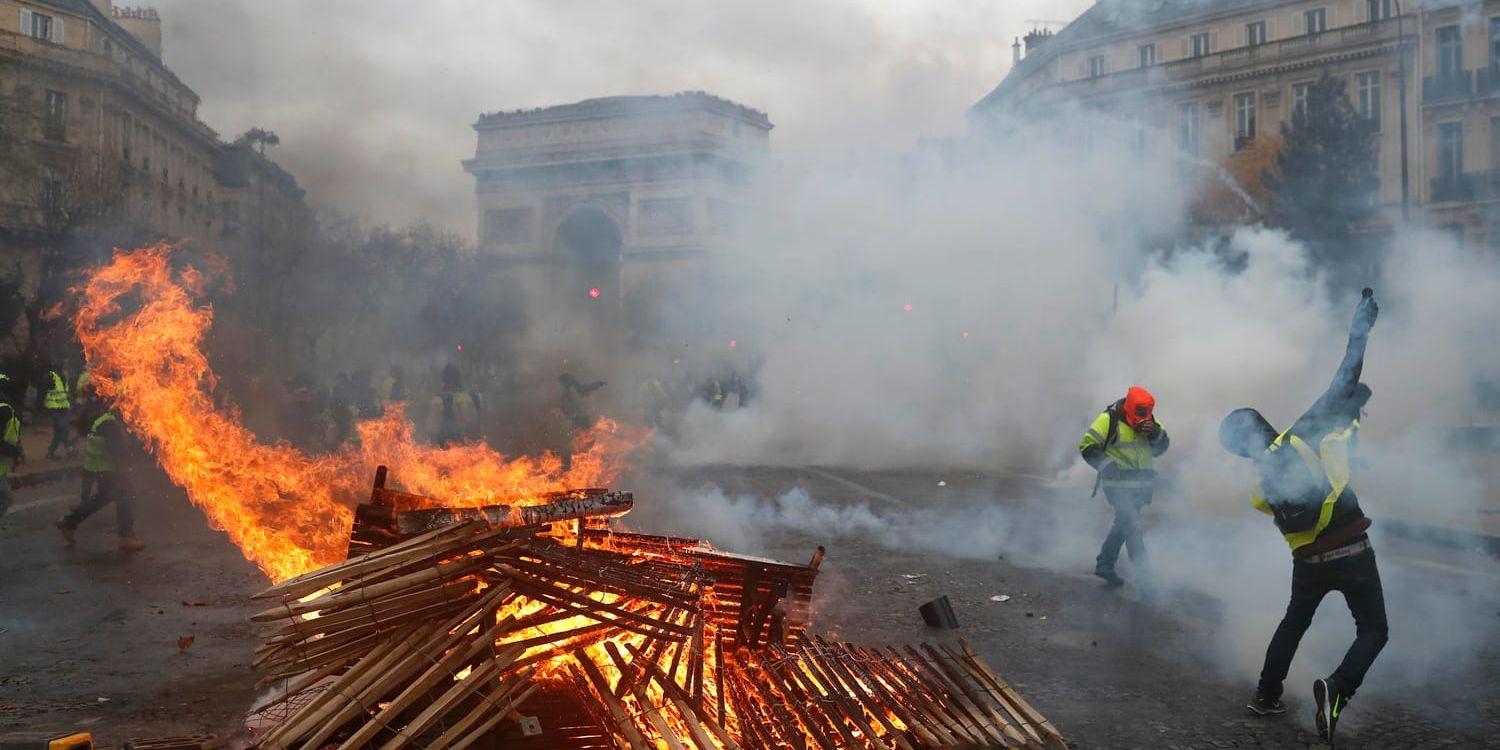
x: 56, y: 404
x: 1304, y: 486
x: 10, y: 442
x: 104, y: 479
x: 364, y: 400
x: 575, y: 411
x: 1121, y: 445
x: 453, y: 415
x: 393, y: 388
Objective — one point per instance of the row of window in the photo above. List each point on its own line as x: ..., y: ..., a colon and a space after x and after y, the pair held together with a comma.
x: 1367, y: 99
x: 49, y: 28
x: 1315, y: 21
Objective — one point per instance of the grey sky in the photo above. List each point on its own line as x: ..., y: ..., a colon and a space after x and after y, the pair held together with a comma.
x: 374, y: 100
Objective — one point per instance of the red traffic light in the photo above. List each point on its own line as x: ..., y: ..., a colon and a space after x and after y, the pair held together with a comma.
x: 906, y: 307
x: 594, y: 292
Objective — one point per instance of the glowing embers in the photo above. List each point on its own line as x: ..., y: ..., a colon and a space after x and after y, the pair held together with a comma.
x: 564, y: 634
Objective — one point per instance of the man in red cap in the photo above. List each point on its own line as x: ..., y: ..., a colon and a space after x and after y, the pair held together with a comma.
x: 1120, y: 445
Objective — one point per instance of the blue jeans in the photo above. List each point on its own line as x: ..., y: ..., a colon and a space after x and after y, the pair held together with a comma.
x: 1126, y: 532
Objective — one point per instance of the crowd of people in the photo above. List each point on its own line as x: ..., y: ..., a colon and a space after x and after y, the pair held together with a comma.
x: 65, y: 402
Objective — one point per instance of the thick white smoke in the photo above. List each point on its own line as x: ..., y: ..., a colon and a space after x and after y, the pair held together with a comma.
x: 1069, y: 273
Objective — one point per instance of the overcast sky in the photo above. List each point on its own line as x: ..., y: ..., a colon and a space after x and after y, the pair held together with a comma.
x: 374, y: 100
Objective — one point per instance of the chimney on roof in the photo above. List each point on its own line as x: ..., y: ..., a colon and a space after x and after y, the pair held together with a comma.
x: 143, y: 24
x: 1015, y: 51
x: 1036, y: 39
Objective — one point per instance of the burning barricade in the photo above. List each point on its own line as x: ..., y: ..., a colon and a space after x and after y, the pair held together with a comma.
x: 539, y: 627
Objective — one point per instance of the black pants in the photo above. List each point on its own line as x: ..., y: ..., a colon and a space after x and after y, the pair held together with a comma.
x: 1359, y: 581
x: 100, y: 489
x: 1125, y: 532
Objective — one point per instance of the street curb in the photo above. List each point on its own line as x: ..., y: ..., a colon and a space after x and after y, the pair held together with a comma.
x: 1444, y: 535
x: 34, y: 478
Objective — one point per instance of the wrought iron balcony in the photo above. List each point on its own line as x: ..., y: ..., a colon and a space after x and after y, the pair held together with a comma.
x: 1453, y: 187
x: 1487, y: 80
x: 1448, y: 87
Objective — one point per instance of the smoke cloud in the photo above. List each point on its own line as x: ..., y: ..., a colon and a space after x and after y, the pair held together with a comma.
x: 374, y: 100
x: 961, y: 305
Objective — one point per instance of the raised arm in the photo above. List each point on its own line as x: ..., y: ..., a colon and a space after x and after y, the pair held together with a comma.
x: 1347, y: 377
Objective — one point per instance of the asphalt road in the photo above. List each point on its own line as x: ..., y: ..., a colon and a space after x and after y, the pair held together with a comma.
x: 89, y: 639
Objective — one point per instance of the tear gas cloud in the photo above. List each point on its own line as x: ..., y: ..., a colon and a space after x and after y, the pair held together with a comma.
x: 1068, y: 269
x: 1064, y: 263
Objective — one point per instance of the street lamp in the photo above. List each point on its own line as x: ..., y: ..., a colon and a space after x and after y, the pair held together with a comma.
x: 1405, y: 169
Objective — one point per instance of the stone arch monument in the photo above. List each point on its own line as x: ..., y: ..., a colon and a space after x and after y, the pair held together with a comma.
x: 614, y: 202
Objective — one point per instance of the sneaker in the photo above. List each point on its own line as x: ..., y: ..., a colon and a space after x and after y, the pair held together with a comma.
x: 1330, y: 702
x: 1110, y: 577
x: 66, y: 531
x: 1262, y: 705
x: 131, y: 544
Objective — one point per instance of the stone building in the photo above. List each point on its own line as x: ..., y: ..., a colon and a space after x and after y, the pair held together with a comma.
x: 100, y: 144
x: 617, y: 202
x: 1201, y: 79
x: 109, y: 119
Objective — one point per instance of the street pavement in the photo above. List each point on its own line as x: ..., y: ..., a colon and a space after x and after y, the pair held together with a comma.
x: 90, y: 638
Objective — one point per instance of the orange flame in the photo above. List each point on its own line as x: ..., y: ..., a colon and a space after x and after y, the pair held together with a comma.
x: 287, y: 511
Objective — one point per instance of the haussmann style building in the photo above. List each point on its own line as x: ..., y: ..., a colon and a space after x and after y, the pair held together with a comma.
x: 1201, y: 79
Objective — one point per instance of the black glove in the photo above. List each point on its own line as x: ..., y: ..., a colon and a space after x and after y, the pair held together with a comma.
x: 1149, y: 428
x: 1366, y: 313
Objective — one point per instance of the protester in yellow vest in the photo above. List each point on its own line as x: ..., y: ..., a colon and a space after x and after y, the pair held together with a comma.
x: 55, y: 402
x: 1304, y: 485
x: 104, y: 482
x: 575, y: 412
x: 453, y: 414
x: 1121, y: 445
x: 10, y: 443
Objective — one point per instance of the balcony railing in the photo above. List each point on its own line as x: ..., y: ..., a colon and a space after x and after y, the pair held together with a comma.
x: 1487, y: 80
x: 1455, y: 187
x: 1448, y: 87
x: 1470, y: 186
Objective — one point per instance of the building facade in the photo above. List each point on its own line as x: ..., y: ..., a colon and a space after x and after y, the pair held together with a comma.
x: 110, y: 126
x: 1203, y: 79
x: 620, y: 199
x: 101, y: 145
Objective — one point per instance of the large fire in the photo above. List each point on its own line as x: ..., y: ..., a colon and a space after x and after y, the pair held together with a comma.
x: 141, y: 323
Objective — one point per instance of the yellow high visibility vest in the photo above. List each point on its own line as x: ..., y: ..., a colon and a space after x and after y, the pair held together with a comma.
x: 57, y: 396
x: 1330, y: 461
x: 1131, y: 450
x: 12, y: 436
x: 96, y: 456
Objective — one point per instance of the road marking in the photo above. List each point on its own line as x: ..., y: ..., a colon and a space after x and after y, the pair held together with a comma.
x: 851, y: 484
x: 44, y: 502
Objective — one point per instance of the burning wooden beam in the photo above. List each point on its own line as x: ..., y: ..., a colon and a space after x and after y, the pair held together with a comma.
x: 450, y: 630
